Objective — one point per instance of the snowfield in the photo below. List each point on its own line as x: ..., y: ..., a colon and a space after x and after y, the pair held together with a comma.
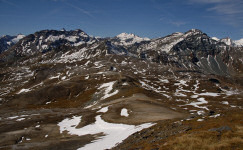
x: 113, y: 133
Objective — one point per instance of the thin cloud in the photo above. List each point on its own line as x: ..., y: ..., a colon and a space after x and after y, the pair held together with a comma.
x: 208, y: 1
x: 178, y: 23
x: 229, y: 11
x: 173, y: 22
x: 80, y: 9
x: 228, y: 8
x: 9, y: 15
x: 9, y: 3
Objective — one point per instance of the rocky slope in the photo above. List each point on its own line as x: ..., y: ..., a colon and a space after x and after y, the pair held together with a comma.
x: 7, y: 41
x: 68, y: 90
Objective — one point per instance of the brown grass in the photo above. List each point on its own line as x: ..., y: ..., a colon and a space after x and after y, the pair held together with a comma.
x: 207, y: 141
x: 202, y: 138
x: 64, y: 103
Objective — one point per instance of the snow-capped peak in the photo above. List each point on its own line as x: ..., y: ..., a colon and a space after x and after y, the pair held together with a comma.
x: 126, y: 35
x: 3, y: 36
x: 19, y: 37
x: 238, y: 43
x: 194, y: 31
x: 178, y: 34
x: 215, y: 38
x: 227, y: 41
x: 129, y: 39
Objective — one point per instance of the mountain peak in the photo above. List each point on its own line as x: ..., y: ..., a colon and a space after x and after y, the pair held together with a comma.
x: 130, y: 36
x: 215, y: 38
x: 46, y: 40
x: 194, y: 31
x: 129, y: 39
x: 238, y: 43
x: 126, y: 35
x: 227, y: 41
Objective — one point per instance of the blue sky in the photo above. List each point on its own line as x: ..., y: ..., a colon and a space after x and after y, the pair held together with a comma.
x: 146, y: 18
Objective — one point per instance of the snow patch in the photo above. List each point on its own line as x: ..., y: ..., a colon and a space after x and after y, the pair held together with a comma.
x: 70, y: 124
x: 164, y: 80
x: 108, y: 87
x: 201, y: 112
x: 180, y: 94
x: 87, y: 77
x: 23, y: 91
x: 104, y: 109
x: 124, y: 112
x: 113, y: 133
x: 201, y: 101
x: 20, y: 119
x: 181, y: 82
x: 194, y: 96
x: 225, y: 102
x: 215, y: 116
x: 209, y: 94
x: 200, y: 119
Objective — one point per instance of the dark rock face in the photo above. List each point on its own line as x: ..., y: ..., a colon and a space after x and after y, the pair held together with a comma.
x: 214, y: 81
x: 203, y: 52
x: 197, y: 43
x: 7, y: 41
x: 3, y: 43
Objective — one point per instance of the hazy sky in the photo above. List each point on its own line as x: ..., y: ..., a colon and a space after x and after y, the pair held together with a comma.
x: 146, y: 18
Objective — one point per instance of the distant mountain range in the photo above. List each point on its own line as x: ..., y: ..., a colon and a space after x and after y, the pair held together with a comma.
x: 191, y: 50
x: 47, y: 39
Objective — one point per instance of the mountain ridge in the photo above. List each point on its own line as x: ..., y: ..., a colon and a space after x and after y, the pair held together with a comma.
x: 122, y: 37
x: 190, y: 50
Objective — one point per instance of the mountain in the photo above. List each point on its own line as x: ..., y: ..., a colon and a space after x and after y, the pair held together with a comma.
x: 7, y: 41
x: 239, y: 43
x: 200, y: 51
x: 215, y: 38
x: 125, y: 39
x: 46, y: 40
x: 227, y: 41
x: 192, y: 50
x: 230, y: 42
x: 68, y: 90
